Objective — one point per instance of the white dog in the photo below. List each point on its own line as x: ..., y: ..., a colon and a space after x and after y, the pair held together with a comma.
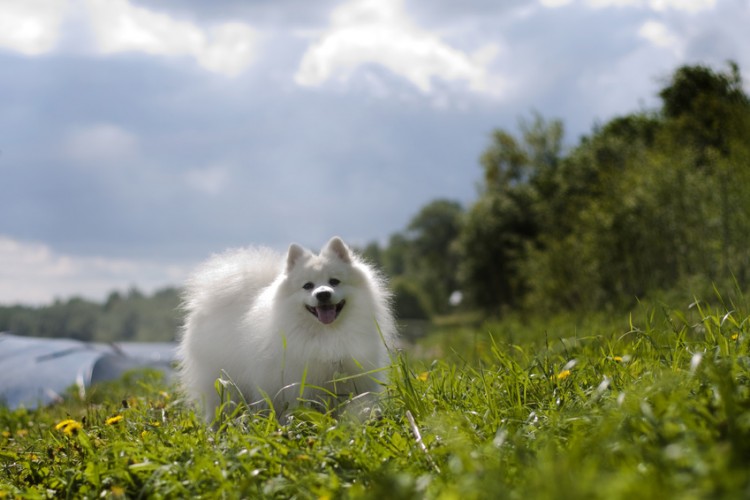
x: 305, y: 328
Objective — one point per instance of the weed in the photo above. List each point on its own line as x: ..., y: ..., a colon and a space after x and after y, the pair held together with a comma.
x: 657, y: 407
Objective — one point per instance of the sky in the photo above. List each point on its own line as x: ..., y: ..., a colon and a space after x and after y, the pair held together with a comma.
x: 137, y: 138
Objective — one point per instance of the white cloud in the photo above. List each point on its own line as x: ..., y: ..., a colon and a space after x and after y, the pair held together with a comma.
x: 118, y: 26
x: 31, y: 27
x: 210, y: 180
x: 380, y: 32
x: 99, y: 145
x: 685, y: 5
x: 691, y: 6
x: 33, y: 273
x: 615, y: 3
x: 554, y: 3
x: 661, y: 36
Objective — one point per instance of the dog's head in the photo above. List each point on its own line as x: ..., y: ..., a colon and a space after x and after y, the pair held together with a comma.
x: 323, y: 282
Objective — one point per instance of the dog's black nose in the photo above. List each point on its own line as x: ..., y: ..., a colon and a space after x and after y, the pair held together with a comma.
x: 323, y: 296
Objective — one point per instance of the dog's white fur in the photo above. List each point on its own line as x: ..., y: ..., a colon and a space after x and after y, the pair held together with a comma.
x: 251, y: 317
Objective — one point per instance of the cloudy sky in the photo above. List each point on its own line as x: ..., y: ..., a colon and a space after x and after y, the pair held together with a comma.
x: 136, y: 137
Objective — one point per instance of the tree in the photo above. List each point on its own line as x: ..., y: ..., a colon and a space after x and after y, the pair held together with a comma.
x: 373, y: 254
x: 432, y: 234
x: 410, y: 302
x: 396, y: 258
x: 646, y: 201
x: 506, y: 219
x: 710, y: 112
x: 667, y: 199
x: 704, y: 107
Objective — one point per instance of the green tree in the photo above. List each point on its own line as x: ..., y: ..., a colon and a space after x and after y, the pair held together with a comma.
x: 373, y: 254
x: 396, y: 257
x: 645, y: 202
x: 565, y: 265
x: 410, y: 301
x: 705, y: 108
x: 506, y: 219
x: 666, y: 200
x: 132, y: 317
x: 432, y: 236
x: 708, y: 111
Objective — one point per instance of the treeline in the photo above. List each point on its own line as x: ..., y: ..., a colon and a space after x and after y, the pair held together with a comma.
x: 647, y: 202
x: 122, y: 317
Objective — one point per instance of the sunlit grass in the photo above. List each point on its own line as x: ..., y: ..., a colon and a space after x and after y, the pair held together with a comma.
x: 657, y: 405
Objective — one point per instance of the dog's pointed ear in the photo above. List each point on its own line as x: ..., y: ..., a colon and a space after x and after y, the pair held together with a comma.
x: 337, y: 247
x: 295, y: 253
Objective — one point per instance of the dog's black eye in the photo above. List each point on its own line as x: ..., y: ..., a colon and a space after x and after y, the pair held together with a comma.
x: 333, y: 282
x: 309, y: 285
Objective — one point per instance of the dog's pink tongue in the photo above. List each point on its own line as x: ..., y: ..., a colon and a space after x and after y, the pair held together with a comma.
x: 326, y: 314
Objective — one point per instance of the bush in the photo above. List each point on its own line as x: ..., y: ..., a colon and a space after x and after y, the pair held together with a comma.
x: 410, y: 301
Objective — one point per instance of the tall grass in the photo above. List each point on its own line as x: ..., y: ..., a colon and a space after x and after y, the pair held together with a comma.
x: 656, y: 405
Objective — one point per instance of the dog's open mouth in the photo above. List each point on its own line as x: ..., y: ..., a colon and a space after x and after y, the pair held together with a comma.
x: 327, y: 313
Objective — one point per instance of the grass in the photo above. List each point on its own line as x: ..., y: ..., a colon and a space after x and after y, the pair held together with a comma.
x: 657, y: 406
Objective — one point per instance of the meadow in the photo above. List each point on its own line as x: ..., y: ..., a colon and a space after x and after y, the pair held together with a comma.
x: 655, y: 404
x: 584, y: 402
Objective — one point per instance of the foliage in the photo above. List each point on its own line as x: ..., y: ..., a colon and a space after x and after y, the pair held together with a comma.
x: 425, y: 256
x: 656, y: 407
x: 706, y: 108
x: 646, y: 202
x: 410, y: 301
x: 517, y: 175
x: 432, y: 233
x: 133, y: 317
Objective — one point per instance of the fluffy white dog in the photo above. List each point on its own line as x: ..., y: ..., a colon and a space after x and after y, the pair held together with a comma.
x: 285, y: 330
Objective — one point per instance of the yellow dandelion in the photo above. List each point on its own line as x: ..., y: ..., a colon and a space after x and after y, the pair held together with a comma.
x: 563, y: 375
x: 22, y: 433
x: 735, y: 336
x: 72, y: 428
x: 423, y: 376
x: 618, y: 359
x: 113, y: 420
x: 64, y: 423
x: 144, y: 434
x: 69, y: 426
x: 6, y: 434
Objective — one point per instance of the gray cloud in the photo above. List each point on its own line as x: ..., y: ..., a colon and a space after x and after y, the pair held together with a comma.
x: 155, y: 158
x: 277, y: 14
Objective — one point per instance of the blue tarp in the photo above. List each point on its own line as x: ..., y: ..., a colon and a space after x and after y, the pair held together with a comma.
x: 38, y: 371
